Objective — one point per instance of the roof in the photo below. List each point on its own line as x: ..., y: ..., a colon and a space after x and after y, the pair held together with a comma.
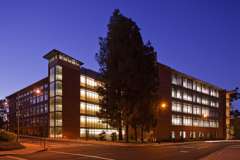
x: 191, y: 77
x: 90, y: 73
x: 31, y: 85
x: 55, y: 52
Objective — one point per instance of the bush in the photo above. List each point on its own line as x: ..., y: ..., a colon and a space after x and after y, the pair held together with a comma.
x: 7, y: 136
x: 102, y: 136
x: 114, y: 136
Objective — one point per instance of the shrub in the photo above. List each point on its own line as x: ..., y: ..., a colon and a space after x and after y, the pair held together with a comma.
x: 102, y: 136
x: 7, y: 136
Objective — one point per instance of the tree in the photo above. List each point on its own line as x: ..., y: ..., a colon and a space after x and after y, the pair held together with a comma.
x: 130, y: 74
x: 236, y: 124
x: 1, y: 122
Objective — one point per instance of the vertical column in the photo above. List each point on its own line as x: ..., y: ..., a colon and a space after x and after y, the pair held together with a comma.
x: 55, y: 101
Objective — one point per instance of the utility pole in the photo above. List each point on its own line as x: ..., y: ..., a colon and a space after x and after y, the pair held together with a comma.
x: 18, y: 115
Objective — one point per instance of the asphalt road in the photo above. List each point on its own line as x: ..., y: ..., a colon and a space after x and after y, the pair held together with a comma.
x: 108, y: 152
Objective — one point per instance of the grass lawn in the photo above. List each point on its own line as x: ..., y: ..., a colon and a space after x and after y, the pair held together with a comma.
x: 6, y: 146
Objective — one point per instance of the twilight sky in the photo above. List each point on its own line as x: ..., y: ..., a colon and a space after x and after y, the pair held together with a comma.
x: 200, y: 38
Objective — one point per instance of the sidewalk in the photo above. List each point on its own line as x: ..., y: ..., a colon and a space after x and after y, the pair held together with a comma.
x: 29, y: 148
x: 228, y: 153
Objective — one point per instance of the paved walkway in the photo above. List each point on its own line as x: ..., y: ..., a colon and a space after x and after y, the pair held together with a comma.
x: 228, y: 153
x: 29, y: 148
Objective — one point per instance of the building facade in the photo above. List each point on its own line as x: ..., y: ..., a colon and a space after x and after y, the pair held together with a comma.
x: 65, y: 103
x: 62, y: 105
x: 194, y: 109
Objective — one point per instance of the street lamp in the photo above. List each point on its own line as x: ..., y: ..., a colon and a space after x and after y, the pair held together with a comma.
x: 37, y: 91
x: 163, y: 105
x: 205, y: 115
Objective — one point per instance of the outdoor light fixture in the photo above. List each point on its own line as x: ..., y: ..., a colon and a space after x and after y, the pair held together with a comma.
x: 205, y: 115
x: 163, y: 105
x: 37, y: 91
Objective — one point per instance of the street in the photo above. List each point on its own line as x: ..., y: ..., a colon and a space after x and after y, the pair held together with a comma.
x: 188, y: 151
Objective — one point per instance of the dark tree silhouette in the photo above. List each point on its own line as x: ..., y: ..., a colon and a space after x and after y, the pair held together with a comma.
x: 130, y: 73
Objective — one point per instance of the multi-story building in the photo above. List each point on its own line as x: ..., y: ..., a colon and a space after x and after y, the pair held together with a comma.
x: 191, y: 108
x: 65, y: 104
x: 4, y: 114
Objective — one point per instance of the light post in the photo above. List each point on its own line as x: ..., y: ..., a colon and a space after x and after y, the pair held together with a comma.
x: 161, y: 108
x: 18, y: 115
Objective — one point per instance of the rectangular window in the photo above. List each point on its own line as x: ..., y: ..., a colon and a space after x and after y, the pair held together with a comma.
x: 58, y: 72
x: 197, y: 110
x: 58, y: 103
x: 176, y: 120
x: 52, y: 89
x: 177, y: 80
x: 187, y: 108
x: 205, y: 111
x: 52, y: 104
x: 205, y: 90
x: 187, y: 121
x: 199, y: 87
x: 52, y: 74
x: 185, y: 82
x: 177, y: 107
x: 58, y: 88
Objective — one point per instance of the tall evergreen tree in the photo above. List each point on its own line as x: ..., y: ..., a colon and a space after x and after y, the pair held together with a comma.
x: 129, y: 71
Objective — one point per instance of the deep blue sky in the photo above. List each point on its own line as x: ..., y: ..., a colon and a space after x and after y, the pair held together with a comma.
x: 200, y: 38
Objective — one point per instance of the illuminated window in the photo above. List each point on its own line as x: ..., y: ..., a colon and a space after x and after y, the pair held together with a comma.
x: 177, y: 80
x: 187, y: 121
x: 205, y: 111
x: 58, y: 72
x: 185, y: 82
x: 199, y: 87
x: 52, y: 90
x: 205, y: 101
x: 205, y: 89
x: 88, y: 108
x: 187, y: 108
x: 176, y: 120
x: 58, y: 103
x: 89, y: 95
x: 52, y: 74
x: 58, y: 88
x: 197, y: 110
x: 177, y: 107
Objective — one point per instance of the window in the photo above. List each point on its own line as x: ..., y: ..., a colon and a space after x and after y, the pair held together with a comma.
x: 199, y: 88
x: 88, y: 108
x: 177, y: 107
x: 187, y: 121
x: 205, y: 90
x: 189, y: 84
x: 58, y: 103
x: 52, y: 105
x: 58, y: 88
x: 187, y: 108
x: 177, y: 80
x: 52, y: 90
x: 52, y: 74
x: 89, y: 95
x: 197, y: 110
x: 176, y: 120
x: 91, y: 122
x: 173, y: 135
x: 205, y: 111
x: 185, y: 96
x: 185, y: 82
x: 205, y: 101
x: 206, y: 123
x: 58, y: 72
x: 194, y: 86
x: 199, y: 100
